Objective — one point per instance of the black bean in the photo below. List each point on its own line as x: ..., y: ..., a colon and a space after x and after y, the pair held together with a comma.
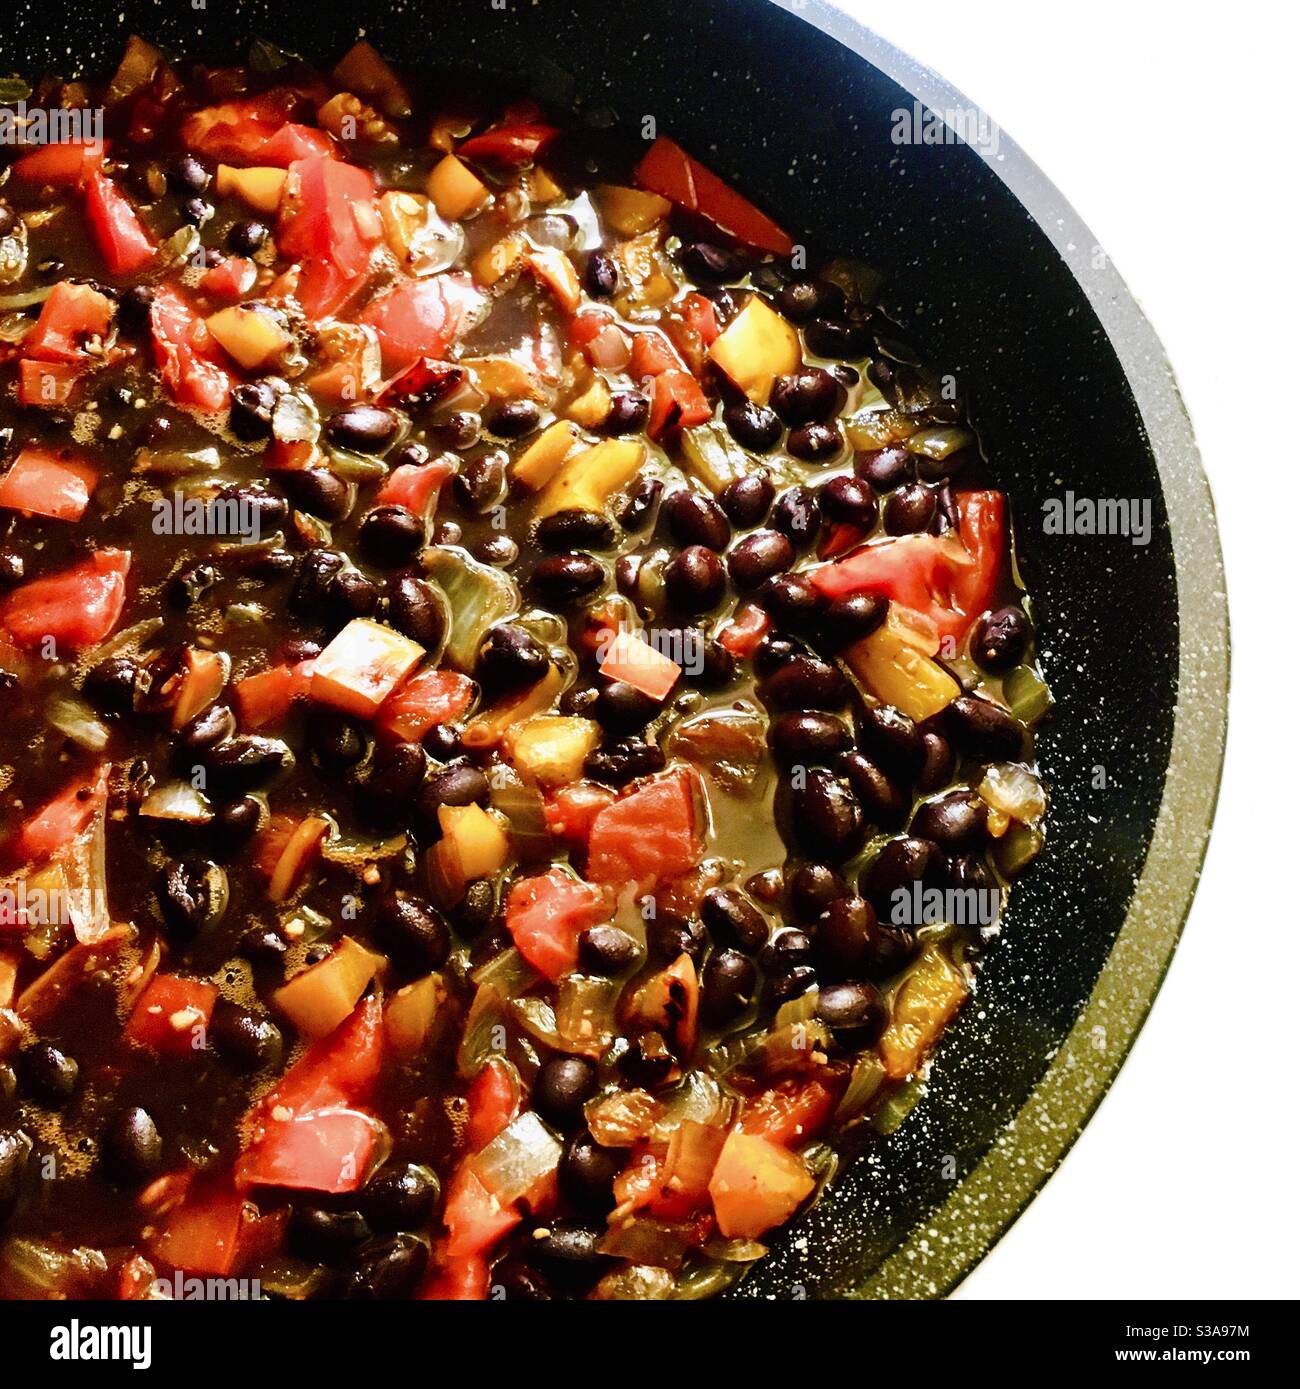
x: 574, y: 530
x: 775, y: 651
x: 413, y: 929
x: 748, y: 499
x: 883, y: 800
x: 647, y: 1063
x: 846, y: 620
x: 192, y: 895
x: 563, y: 579
x: 1001, y: 638
x: 415, y: 610
x: 247, y: 236
x: 910, y: 510
x: 891, y: 738
x: 130, y: 1146
x: 477, y: 909
x: 623, y: 762
x: 244, y: 1040
x: 709, y: 263
x: 788, y: 948
x: 806, y: 682
x: 669, y: 934
x: 628, y: 412
x: 793, y: 602
x: 236, y: 822
x: 848, y: 499
x: 601, y: 275
x: 727, y: 987
x: 481, y: 483
x: 733, y: 919
x: 318, y: 492
x: 936, y: 769
x: 515, y: 1281
x: 187, y: 175
x: 511, y: 658
x: 752, y: 426
x: 400, y: 1196
x: 640, y: 503
x: 116, y: 685
x: 716, y: 665
x: 837, y: 337
x: 793, y: 981
x: 801, y: 299
x: 945, y: 516
x: 458, y: 784
x: 850, y: 942
x: 825, y: 816
x: 806, y: 396
x: 326, y: 1236
x: 515, y: 418
x: 386, y: 1270
x: 263, y: 945
x: 267, y: 511
x: 607, y: 950
x: 814, y: 443
x: 956, y: 822
x: 460, y: 430
x: 47, y: 1074
x: 798, y: 515
x: 695, y: 579
x: 563, y: 1086
x: 499, y: 550
x: 391, y: 535
x: 196, y: 211
x: 363, y: 428
x: 758, y: 557
x: 805, y: 738
x: 854, y: 1012
x: 694, y: 519
x: 190, y: 583
x: 395, y: 778
x: 621, y: 708
x: 980, y: 728
x: 884, y: 468
x: 587, y: 1172
x: 251, y: 407
x: 316, y: 569
x: 205, y: 730
x: 898, y: 865
x: 811, y: 888
x: 245, y: 761
x: 350, y: 594
x: 15, y: 1149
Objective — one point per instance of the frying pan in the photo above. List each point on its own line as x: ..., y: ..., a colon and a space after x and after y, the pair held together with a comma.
x: 994, y: 278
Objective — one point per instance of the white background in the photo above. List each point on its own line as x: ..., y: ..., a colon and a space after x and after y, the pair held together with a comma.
x: 1171, y: 128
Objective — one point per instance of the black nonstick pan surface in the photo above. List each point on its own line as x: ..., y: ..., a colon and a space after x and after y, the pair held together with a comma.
x: 993, y: 278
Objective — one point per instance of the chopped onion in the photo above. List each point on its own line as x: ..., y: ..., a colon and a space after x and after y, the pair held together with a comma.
x: 584, y: 1014
x: 177, y: 462
x: 478, y: 597
x: 295, y: 419
x: 518, y: 1158
x: 623, y: 1118
x: 1015, y: 791
x: 635, y: 1283
x: 75, y: 719
x: 32, y: 1269
x: 177, y: 800
x: 25, y: 300
x: 699, y: 1099
x: 867, y: 1077
x: 509, y: 973
x: 487, y: 1012
x: 645, y: 1241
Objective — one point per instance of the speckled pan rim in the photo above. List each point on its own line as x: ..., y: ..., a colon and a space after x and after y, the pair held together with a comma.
x: 940, y: 1252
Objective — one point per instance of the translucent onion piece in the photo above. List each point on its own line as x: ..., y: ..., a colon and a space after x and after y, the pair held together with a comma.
x: 518, y: 1159
x: 177, y: 800
x: 74, y: 718
x: 1015, y: 791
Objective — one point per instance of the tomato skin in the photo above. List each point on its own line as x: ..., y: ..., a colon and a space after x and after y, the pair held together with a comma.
x: 790, y: 1113
x: 572, y: 810
x: 648, y: 836
x: 266, y: 698
x: 546, y: 914
x: 65, y: 165
x: 669, y: 171
x: 677, y: 403
x: 61, y: 820
x: 337, y: 1071
x: 122, y: 241
x: 431, y: 698
x: 420, y: 318
x: 202, y: 1235
x: 512, y: 144
x: 232, y: 279
x: 71, y: 314
x: 414, y: 485
x: 326, y: 1150
x: 166, y: 995
x: 475, y: 1220
x: 493, y: 1101
x: 48, y: 385
x: 77, y: 608
x: 329, y: 220
x: 457, y: 1278
x: 189, y: 360
x: 255, y: 130
x: 951, y: 580
x: 742, y: 635
x: 42, y: 483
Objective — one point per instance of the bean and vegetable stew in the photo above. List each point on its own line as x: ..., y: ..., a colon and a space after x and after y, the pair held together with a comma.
x: 516, y: 699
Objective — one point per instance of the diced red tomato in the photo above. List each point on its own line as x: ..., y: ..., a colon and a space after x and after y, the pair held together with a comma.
x: 420, y: 318
x: 641, y: 1186
x: 324, y: 1150
x: 76, y: 609
x: 232, y: 279
x: 652, y: 355
x: 510, y: 143
x: 457, y: 1278
x: 792, y: 1113
x: 203, y: 1234
x: 48, y: 385
x: 950, y: 579
x: 493, y: 1101
x: 414, y: 485
x: 48, y: 482
x: 474, y: 1218
x: 837, y: 538
x: 430, y: 698
x: 135, y: 1279
x: 329, y: 219
x: 60, y: 821
x: 266, y: 698
x: 122, y: 241
x: 189, y: 359
x: 699, y: 314
x: 338, y: 1070
x: 167, y: 1014
x: 65, y: 165
x: 678, y: 402
x: 256, y: 130
x: 640, y: 665
x: 745, y: 631
x: 669, y: 171
x: 293, y: 142
x: 571, y: 811
x: 423, y: 383
x: 69, y: 317
x: 648, y: 836
x: 546, y: 914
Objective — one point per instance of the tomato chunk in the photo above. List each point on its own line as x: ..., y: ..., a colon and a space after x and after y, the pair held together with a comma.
x: 457, y: 1278
x: 77, y: 608
x: 510, y: 143
x: 414, y: 485
x: 325, y: 1150
x: 61, y: 820
x: 493, y: 1101
x: 329, y: 219
x: 122, y: 241
x: 791, y: 1113
x: 70, y: 317
x: 256, y: 130
x: 546, y: 914
x: 43, y: 482
x: 188, y: 357
x: 65, y: 165
x: 648, y: 836
x: 474, y: 1218
x: 433, y: 697
x: 421, y: 318
x: 337, y: 1071
x: 202, y: 1235
x: 169, y: 1013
